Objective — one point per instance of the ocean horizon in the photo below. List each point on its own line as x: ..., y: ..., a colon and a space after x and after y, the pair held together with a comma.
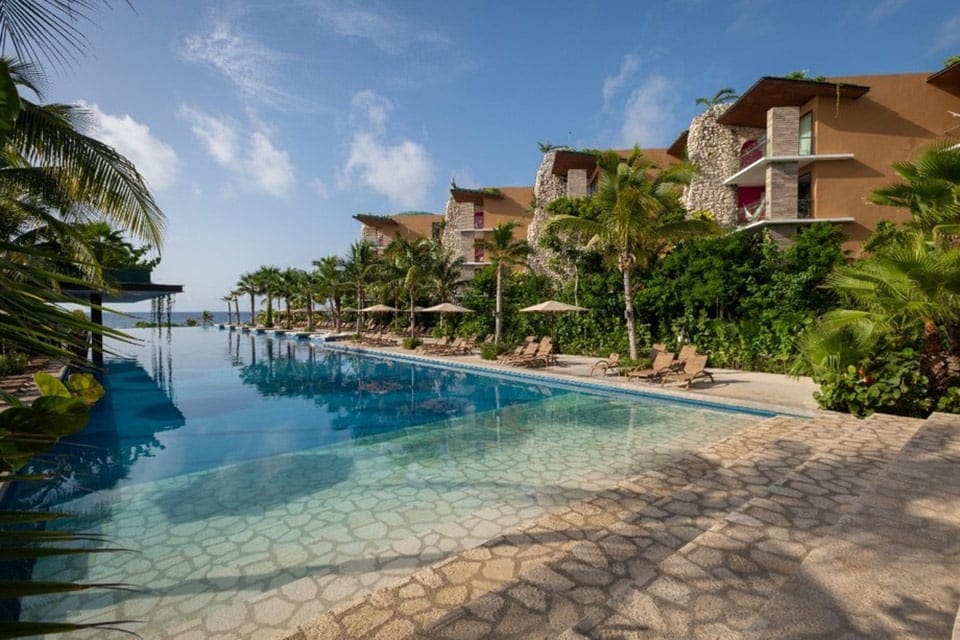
x: 129, y: 320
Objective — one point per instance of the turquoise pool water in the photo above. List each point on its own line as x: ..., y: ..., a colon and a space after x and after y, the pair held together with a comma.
x: 260, y: 480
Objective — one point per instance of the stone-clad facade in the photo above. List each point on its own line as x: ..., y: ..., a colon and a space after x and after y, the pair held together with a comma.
x: 546, y: 188
x: 715, y: 150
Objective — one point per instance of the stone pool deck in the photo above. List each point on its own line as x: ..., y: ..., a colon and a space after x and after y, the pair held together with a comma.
x: 823, y: 526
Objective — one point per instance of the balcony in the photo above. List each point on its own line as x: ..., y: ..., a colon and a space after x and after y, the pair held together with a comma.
x: 754, y: 172
x: 805, y: 208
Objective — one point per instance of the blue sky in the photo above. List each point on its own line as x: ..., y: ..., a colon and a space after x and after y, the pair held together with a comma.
x: 262, y: 127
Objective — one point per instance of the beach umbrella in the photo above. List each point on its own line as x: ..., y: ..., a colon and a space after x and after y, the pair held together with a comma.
x: 444, y: 308
x: 552, y: 306
x: 379, y: 308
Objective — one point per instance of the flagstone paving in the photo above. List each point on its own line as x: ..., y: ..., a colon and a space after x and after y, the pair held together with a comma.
x: 712, y: 547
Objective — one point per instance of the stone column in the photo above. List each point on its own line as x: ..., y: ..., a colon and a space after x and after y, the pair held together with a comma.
x: 783, y: 139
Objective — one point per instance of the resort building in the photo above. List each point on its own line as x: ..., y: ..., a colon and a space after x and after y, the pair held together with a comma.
x: 379, y: 231
x: 471, y: 214
x: 570, y: 173
x: 793, y: 152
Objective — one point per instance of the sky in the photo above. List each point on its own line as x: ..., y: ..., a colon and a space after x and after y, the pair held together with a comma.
x: 262, y: 127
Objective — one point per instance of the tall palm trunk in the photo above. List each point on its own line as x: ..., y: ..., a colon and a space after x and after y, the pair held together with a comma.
x: 253, y: 309
x: 236, y: 306
x: 413, y: 317
x: 359, y: 306
x: 498, y: 313
x: 628, y: 314
x: 309, y: 312
x: 337, y: 305
x: 269, y: 319
x: 229, y: 313
x: 287, y: 302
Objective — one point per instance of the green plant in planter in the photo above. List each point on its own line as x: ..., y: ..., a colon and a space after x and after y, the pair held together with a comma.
x: 411, y: 343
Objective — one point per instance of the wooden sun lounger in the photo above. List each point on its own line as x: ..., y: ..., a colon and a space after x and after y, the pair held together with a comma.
x: 661, y: 366
x: 694, y: 368
x: 612, y: 363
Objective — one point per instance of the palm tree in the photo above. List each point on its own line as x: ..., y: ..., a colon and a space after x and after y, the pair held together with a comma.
x: 235, y: 296
x: 46, y: 156
x: 446, y: 274
x: 723, y: 95
x: 229, y: 299
x: 930, y: 188
x: 331, y: 283
x: 247, y: 284
x: 504, y: 253
x: 640, y: 216
x: 268, y: 282
x: 913, y: 285
x: 413, y: 261
x: 360, y: 270
x: 290, y: 284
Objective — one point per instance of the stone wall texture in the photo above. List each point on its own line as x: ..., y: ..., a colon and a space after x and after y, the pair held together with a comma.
x: 453, y: 221
x: 715, y: 149
x: 546, y: 188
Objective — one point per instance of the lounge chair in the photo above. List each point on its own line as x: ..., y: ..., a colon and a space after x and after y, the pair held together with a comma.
x: 687, y: 351
x: 694, y: 368
x: 541, y: 358
x: 612, y: 363
x: 436, y: 346
x: 661, y: 367
x: 527, y: 350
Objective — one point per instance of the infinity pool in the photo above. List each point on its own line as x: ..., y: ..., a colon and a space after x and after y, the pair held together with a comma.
x: 260, y: 481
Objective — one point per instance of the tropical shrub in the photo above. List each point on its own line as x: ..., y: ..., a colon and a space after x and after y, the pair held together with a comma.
x: 890, y: 381
x: 491, y: 350
x: 411, y: 342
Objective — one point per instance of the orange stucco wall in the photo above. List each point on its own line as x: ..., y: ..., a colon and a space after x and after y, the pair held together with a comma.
x: 514, y: 205
x: 899, y: 116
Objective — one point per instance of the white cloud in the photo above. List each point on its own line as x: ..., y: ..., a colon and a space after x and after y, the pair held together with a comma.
x: 155, y: 160
x: 612, y: 84
x: 251, y: 66
x: 948, y: 35
x: 387, y: 30
x: 254, y: 159
x: 372, y: 106
x: 320, y: 187
x: 883, y: 9
x: 648, y: 113
x: 402, y: 172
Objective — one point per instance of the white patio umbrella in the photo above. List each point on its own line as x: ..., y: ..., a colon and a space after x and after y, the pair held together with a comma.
x: 552, y: 306
x: 444, y: 308
x: 379, y: 308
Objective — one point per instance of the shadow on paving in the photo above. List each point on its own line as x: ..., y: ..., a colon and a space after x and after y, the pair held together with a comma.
x: 229, y: 491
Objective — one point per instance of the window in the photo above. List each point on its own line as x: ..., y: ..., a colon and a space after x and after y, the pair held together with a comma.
x: 478, y: 219
x: 806, y: 134
x: 478, y: 253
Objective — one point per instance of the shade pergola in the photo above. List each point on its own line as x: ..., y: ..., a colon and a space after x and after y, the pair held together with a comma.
x: 126, y: 285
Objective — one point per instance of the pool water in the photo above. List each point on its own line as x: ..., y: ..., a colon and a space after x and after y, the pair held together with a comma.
x: 260, y: 481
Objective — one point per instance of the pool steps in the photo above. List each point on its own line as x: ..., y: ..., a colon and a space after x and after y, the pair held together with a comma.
x: 728, y: 542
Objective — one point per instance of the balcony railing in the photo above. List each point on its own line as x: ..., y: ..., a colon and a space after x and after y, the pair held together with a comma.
x: 754, y: 152
x: 758, y: 150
